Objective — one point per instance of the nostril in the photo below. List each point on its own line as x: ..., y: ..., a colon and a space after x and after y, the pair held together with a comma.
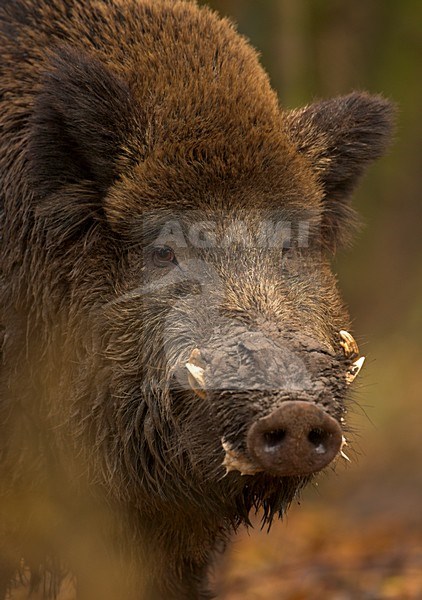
x: 319, y: 438
x: 273, y: 439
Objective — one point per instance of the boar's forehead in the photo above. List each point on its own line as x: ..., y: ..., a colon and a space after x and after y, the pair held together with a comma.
x: 219, y: 211
x: 226, y: 229
x: 224, y: 152
x: 214, y: 186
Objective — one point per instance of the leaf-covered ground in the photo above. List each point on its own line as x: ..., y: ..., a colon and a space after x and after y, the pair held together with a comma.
x: 317, y: 554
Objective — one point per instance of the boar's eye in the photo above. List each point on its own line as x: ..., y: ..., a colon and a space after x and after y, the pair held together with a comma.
x: 163, y: 256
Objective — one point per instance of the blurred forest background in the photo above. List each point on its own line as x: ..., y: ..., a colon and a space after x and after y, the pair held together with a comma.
x: 358, y: 535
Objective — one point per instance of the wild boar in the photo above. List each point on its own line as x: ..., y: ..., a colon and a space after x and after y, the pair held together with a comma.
x: 174, y: 348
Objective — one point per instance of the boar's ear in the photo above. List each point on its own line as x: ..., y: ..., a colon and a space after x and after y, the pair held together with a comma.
x: 83, y: 118
x: 340, y: 138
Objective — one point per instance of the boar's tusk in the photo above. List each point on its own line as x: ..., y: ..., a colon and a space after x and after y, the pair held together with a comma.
x: 198, y: 373
x: 341, y: 451
x: 349, y: 345
x: 354, y: 370
x: 235, y: 462
x: 343, y: 455
x: 196, y: 378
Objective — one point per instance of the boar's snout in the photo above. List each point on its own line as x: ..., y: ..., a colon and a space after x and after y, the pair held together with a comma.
x: 249, y: 375
x: 298, y: 438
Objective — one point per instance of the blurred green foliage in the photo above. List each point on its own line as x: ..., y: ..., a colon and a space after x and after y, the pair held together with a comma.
x: 320, y: 48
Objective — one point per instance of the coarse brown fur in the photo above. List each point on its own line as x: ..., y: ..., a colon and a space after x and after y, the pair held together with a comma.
x: 116, y: 118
